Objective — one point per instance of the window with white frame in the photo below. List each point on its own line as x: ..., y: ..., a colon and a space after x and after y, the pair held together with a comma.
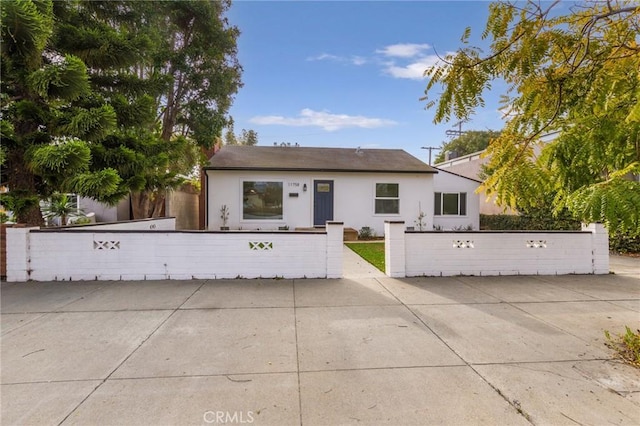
x: 261, y: 200
x: 450, y: 204
x: 387, y: 198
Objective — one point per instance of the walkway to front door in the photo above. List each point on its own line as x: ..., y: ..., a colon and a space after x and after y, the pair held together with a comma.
x: 356, y: 267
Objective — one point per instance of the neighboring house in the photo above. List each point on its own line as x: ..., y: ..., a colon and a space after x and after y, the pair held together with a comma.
x: 456, y: 203
x: 181, y: 203
x: 298, y: 187
x: 470, y: 166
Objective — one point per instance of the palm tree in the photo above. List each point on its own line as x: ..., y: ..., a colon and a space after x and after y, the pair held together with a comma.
x: 62, y: 206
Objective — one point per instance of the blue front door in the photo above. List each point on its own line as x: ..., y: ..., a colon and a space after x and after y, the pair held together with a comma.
x: 322, y: 202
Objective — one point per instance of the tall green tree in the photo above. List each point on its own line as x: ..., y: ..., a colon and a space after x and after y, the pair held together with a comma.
x: 197, y: 58
x: 117, y: 43
x: 199, y: 61
x: 171, y: 86
x: 467, y: 143
x: 575, y: 71
x: 47, y: 124
x: 246, y: 137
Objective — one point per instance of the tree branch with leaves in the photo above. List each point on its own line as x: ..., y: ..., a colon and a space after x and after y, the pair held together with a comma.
x: 575, y: 73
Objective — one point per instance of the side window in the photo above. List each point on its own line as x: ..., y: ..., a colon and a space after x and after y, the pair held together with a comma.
x: 450, y: 204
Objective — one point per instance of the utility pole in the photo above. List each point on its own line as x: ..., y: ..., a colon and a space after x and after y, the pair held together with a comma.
x: 430, y: 148
x: 454, y: 132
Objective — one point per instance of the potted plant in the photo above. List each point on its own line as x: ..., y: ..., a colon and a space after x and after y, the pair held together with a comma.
x: 224, y: 215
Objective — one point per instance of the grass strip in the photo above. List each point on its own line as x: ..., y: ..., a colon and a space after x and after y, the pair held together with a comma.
x: 371, y: 252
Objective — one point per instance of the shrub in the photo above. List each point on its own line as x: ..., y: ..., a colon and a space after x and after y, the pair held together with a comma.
x: 627, y: 346
x: 82, y: 221
x: 505, y: 222
x: 619, y: 243
x: 366, y: 233
x: 463, y: 228
x: 4, y: 217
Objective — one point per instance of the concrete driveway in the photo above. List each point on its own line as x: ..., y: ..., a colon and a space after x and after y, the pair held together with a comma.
x: 361, y: 350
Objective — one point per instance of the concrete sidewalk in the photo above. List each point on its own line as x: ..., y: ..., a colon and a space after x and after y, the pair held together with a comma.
x: 468, y: 350
x: 625, y: 265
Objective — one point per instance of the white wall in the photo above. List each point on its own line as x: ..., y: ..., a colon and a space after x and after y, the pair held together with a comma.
x: 105, y: 213
x: 496, y: 253
x: 449, y: 182
x: 354, y: 198
x: 59, y: 255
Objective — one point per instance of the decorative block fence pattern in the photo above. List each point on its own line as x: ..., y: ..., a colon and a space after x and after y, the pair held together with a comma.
x: 112, y: 254
x: 486, y: 253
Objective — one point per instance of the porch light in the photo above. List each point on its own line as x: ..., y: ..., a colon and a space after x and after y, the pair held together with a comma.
x: 304, y: 187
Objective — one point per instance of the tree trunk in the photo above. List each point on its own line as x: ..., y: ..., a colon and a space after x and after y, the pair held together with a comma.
x: 21, y: 181
x: 140, y: 204
x: 31, y: 216
x: 146, y: 204
x: 158, y: 204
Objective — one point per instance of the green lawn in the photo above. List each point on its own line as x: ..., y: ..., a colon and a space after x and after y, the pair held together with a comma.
x: 371, y: 252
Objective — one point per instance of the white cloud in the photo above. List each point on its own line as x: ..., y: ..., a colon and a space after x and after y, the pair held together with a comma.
x: 414, y: 70
x: 324, y: 57
x: 404, y: 50
x: 402, y: 60
x: 358, y: 60
x: 354, y: 60
x: 325, y: 120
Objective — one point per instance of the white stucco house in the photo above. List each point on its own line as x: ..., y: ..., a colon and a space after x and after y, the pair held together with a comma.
x: 268, y: 188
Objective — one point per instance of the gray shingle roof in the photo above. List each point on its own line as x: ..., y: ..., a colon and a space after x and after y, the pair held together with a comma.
x: 291, y: 158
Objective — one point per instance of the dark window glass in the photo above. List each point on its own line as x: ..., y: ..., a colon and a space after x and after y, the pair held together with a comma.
x: 262, y: 200
x: 387, y: 190
x: 450, y: 204
x: 387, y: 206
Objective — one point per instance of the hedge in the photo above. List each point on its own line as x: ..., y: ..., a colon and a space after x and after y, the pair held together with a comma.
x: 618, y: 243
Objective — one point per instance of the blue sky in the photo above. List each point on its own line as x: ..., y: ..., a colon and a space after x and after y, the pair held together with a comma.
x: 348, y: 74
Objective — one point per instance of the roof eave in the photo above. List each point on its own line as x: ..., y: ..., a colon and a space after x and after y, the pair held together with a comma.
x: 325, y: 170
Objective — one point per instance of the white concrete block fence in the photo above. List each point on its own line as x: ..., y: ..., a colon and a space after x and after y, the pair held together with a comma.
x: 157, y: 253
x: 487, y: 253
x: 153, y: 224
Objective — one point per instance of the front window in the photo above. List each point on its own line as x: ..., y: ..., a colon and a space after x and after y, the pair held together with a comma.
x: 450, y: 204
x: 261, y: 200
x: 387, y: 198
